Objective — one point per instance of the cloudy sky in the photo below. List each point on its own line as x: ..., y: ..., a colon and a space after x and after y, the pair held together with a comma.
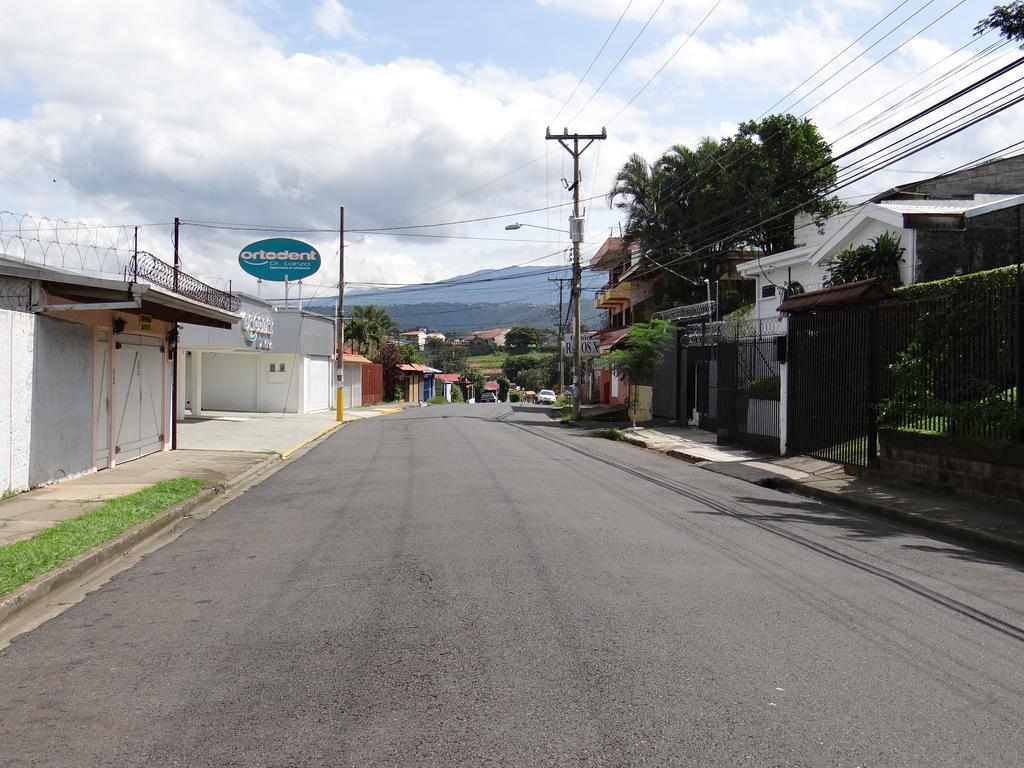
x: 275, y: 112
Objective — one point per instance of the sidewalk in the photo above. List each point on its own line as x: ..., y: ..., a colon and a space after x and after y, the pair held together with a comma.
x: 960, y: 516
x: 26, y: 514
x: 281, y: 433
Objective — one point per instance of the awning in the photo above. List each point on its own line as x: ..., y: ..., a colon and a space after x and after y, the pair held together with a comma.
x: 90, y: 293
x: 608, y: 340
x: 860, y: 292
x: 354, y: 358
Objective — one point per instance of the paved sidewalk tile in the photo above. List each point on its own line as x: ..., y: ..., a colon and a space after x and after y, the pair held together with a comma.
x: 26, y: 514
x: 977, y: 519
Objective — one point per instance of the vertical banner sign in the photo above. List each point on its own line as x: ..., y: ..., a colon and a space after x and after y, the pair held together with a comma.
x: 279, y: 259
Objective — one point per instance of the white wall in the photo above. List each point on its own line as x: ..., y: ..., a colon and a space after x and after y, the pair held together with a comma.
x: 229, y: 381
x: 17, y: 340
x: 280, y: 392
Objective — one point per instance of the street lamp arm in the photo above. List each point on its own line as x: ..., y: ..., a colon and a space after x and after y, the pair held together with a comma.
x: 517, y: 225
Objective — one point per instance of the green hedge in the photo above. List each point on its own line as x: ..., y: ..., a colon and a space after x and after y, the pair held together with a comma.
x: 948, y: 357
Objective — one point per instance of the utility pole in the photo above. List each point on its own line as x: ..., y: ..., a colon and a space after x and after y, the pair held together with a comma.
x: 339, y: 319
x: 561, y: 333
x: 576, y: 233
x: 177, y: 257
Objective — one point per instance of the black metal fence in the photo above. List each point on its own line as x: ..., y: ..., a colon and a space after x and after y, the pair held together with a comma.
x: 148, y: 268
x: 737, y: 390
x: 944, y: 360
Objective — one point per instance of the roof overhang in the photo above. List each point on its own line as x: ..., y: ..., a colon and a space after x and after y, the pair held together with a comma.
x: 781, y: 259
x: 859, y: 293
x: 872, y: 211
x: 99, y: 291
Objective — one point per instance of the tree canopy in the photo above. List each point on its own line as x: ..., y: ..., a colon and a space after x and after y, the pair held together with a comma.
x: 522, y: 338
x: 692, y: 207
x: 1007, y: 19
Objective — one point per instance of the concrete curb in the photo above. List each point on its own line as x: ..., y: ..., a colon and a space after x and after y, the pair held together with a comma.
x: 299, y: 446
x: 920, y: 521
x: 862, y: 505
x: 98, y: 556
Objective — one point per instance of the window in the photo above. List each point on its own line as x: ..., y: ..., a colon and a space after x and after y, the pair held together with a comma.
x: 273, y: 367
x: 767, y: 291
x: 280, y: 367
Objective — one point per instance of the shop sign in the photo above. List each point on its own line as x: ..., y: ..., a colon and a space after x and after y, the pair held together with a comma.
x: 279, y: 259
x: 257, y: 330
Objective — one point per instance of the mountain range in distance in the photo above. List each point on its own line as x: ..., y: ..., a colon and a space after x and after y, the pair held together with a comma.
x: 490, y: 298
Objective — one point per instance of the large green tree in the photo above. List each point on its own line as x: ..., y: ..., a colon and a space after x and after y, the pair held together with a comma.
x: 521, y: 339
x: 1007, y: 19
x: 693, y: 207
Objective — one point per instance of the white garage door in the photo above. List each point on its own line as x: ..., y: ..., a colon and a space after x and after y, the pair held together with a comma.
x: 138, y: 397
x: 318, y: 383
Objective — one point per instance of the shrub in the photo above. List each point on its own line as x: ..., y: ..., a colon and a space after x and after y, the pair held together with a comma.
x: 438, y: 400
x: 768, y: 388
x: 457, y: 396
x: 515, y: 397
x: 882, y: 258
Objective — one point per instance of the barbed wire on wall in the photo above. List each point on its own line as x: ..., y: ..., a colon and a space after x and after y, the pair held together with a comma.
x: 67, y: 244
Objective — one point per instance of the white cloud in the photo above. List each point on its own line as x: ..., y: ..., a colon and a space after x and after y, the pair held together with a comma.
x: 334, y: 19
x: 197, y: 112
x: 675, y: 12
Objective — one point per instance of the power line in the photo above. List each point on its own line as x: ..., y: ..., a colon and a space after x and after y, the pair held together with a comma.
x: 593, y: 61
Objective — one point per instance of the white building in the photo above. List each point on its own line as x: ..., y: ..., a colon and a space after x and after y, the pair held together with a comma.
x: 273, y: 360
x: 806, y: 266
x: 86, y: 373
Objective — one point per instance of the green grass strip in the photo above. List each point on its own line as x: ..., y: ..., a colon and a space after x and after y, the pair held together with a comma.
x: 22, y: 561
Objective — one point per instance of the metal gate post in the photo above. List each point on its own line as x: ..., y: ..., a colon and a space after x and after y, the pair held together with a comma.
x: 873, y: 364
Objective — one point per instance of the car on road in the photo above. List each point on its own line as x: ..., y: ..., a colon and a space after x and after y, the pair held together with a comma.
x: 546, y: 397
x: 488, y: 397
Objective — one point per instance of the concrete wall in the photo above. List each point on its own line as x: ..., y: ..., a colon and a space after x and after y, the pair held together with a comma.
x: 227, y: 338
x: 229, y: 381
x: 62, y: 411
x: 1004, y: 177
x: 304, y: 332
x: 991, y: 470
x: 988, y: 241
x: 17, y: 339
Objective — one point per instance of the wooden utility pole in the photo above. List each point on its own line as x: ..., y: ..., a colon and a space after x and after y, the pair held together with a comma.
x: 576, y: 233
x: 339, y: 320
x: 561, y: 333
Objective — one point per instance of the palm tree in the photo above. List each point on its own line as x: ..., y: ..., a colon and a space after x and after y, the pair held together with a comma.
x: 375, y: 324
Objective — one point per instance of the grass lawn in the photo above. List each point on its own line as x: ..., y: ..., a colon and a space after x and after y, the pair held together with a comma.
x: 22, y: 561
x: 487, y: 363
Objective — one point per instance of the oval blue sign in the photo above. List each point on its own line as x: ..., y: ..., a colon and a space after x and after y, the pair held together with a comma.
x: 279, y: 259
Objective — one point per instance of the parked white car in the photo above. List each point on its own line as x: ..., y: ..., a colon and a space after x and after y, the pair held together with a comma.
x: 546, y: 397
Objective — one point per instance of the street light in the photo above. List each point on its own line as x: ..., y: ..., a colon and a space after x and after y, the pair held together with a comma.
x: 517, y: 225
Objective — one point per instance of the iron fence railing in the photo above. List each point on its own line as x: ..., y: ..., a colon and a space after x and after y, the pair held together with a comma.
x: 731, y: 330
x: 145, y: 267
x: 944, y: 364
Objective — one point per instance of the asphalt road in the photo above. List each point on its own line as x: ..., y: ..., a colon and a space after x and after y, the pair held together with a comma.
x: 445, y: 588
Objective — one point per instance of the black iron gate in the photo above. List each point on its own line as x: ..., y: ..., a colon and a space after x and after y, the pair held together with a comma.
x: 831, y: 382
x: 748, y: 393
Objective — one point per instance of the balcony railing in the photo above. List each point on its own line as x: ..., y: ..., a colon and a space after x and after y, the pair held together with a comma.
x: 147, y: 268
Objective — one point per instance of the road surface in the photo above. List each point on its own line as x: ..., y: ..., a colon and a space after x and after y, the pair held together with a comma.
x: 468, y: 586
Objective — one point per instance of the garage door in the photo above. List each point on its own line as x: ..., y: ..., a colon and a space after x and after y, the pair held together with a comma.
x: 318, y: 383
x: 138, y: 398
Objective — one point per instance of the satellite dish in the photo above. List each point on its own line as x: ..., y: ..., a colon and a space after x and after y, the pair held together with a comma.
x: 794, y: 288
